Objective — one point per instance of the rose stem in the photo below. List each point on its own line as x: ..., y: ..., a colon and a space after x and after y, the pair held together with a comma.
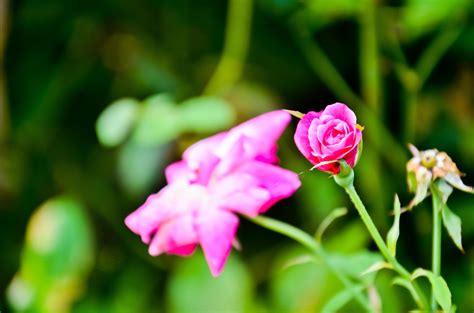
x: 307, y: 241
x: 436, y: 246
x: 369, y: 224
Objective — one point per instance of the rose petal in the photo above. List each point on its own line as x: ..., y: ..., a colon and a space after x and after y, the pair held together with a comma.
x: 184, y: 250
x: 175, y: 235
x: 301, y: 137
x: 179, y: 171
x: 240, y: 193
x: 339, y: 111
x: 164, y: 206
x: 216, y: 230
x: 279, y: 182
x: 262, y: 132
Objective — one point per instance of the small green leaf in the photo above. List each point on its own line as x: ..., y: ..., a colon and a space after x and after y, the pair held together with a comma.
x: 394, y: 232
x: 336, y: 213
x: 205, y: 114
x: 56, y: 258
x: 440, y: 288
x: 339, y: 300
x: 296, y: 114
x: 443, y: 189
x: 116, y: 121
x: 442, y: 293
x: 408, y: 285
x: 298, y: 260
x: 377, y: 266
x: 452, y: 223
x: 158, y: 122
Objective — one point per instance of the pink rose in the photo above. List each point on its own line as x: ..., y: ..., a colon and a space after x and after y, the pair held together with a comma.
x: 329, y: 136
x: 228, y: 173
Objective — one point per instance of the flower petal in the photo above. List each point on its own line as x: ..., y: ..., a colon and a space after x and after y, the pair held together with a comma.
x: 216, y: 229
x: 175, y: 236
x: 339, y: 111
x: 302, y: 134
x: 240, y: 192
x: 262, y: 132
x: 179, y: 171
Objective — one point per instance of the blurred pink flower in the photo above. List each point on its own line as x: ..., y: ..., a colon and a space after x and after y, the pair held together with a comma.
x: 231, y: 172
x: 329, y: 136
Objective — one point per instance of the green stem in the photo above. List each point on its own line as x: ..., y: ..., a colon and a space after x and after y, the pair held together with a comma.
x: 315, y: 247
x: 381, y: 244
x: 436, y: 248
x: 410, y: 98
x: 4, y: 115
x: 435, y: 51
x: 369, y: 58
x: 237, y: 37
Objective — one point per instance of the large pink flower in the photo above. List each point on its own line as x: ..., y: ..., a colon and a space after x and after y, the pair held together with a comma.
x: 329, y: 136
x: 231, y: 172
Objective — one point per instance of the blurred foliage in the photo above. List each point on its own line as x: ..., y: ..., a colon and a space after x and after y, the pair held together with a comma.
x: 135, y: 73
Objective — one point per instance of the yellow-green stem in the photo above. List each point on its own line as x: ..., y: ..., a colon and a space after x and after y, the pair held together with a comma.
x: 315, y: 247
x: 381, y: 244
x: 237, y: 36
x: 436, y: 248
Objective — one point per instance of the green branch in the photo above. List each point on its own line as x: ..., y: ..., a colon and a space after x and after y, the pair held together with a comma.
x: 237, y: 37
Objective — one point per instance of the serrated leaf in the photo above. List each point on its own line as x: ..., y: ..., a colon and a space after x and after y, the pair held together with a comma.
x: 394, y: 232
x: 377, y: 266
x: 335, y: 214
x: 339, y: 300
x: 205, y: 114
x: 452, y: 223
x: 116, y: 121
x: 158, y: 123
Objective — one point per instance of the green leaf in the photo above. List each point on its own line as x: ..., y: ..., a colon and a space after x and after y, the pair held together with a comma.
x: 421, y: 16
x: 205, y: 114
x: 158, y: 123
x: 452, y: 223
x: 440, y: 288
x: 336, y: 213
x: 394, y: 232
x: 296, y: 114
x: 138, y: 166
x: 339, y: 300
x: 443, y: 189
x: 356, y: 263
x: 191, y: 287
x: 408, y: 285
x: 56, y: 259
x: 116, y: 121
x: 377, y: 266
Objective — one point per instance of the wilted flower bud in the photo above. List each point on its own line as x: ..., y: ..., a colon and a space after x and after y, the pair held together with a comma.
x: 427, y: 166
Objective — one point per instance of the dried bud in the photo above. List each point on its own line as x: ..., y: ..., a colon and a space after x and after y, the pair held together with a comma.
x: 427, y: 166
